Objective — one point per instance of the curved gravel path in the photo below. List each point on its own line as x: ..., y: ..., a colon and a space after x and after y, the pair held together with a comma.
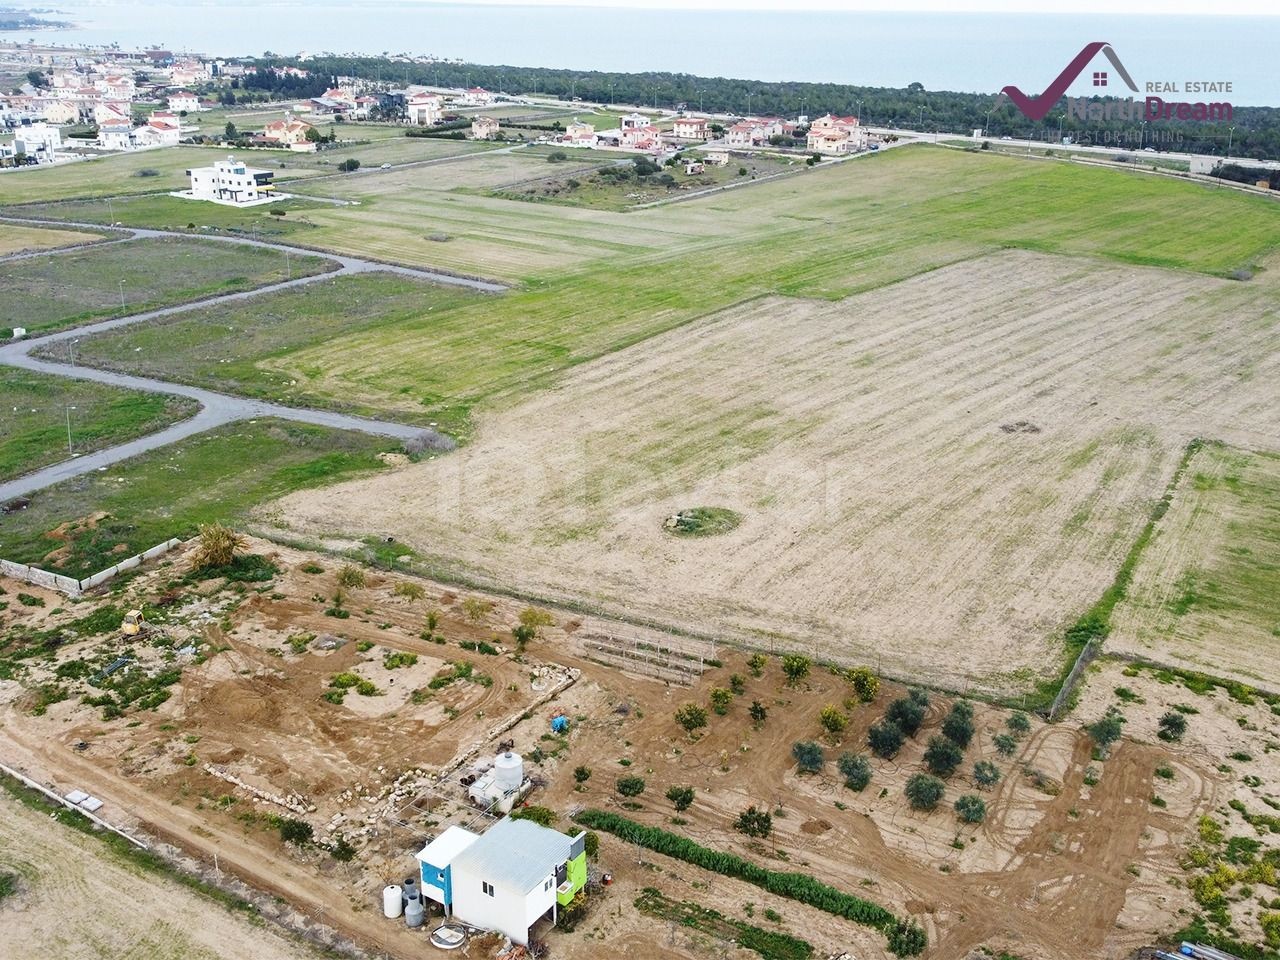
x: 216, y: 409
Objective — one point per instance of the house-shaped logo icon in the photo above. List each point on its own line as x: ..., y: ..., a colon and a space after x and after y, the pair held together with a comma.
x: 1037, y: 108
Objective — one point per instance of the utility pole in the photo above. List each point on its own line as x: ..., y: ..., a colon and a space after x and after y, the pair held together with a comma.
x: 122, y: 306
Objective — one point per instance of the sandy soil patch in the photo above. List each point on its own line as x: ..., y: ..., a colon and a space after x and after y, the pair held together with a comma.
x: 16, y: 239
x: 934, y: 477
x: 71, y: 904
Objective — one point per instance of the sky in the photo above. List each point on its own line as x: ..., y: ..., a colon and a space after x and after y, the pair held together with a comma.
x: 1142, y: 7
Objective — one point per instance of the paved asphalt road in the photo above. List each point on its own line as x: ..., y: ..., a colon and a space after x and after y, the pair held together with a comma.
x: 216, y: 409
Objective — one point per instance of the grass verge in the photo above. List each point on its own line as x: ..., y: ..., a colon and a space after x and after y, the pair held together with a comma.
x: 85, y: 524
x: 43, y: 414
x: 1093, y: 627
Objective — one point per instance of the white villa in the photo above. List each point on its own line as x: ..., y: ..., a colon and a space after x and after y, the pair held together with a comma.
x: 38, y: 142
x: 231, y: 183
x: 424, y: 109
x: 633, y: 120
x: 184, y: 102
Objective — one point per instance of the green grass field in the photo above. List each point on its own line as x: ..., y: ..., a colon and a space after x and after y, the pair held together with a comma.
x: 60, y: 290
x: 827, y: 234
x: 163, y: 212
x: 823, y: 233
x: 1207, y: 591
x: 216, y: 476
x: 115, y: 175
x: 36, y: 410
x: 235, y: 347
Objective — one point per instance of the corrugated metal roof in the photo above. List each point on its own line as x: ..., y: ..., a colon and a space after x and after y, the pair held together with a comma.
x: 442, y: 851
x: 515, y: 854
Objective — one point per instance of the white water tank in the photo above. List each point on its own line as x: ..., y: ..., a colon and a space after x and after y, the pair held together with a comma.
x: 391, y: 904
x: 508, y: 772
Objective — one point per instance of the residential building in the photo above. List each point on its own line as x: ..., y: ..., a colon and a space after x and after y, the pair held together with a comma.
x: 230, y: 182
x: 188, y: 73
x: 474, y: 97
x: 507, y: 879
x: 832, y: 136
x: 289, y: 132
x: 641, y: 138
x: 161, y: 130
x: 58, y: 111
x: 746, y: 133
x: 484, y: 128
x: 112, y: 111
x: 424, y: 109
x: 693, y: 167
x: 184, y: 102
x: 690, y: 128
x: 718, y: 157
x: 633, y: 120
x: 116, y: 135
x: 37, y: 142
x: 583, y: 134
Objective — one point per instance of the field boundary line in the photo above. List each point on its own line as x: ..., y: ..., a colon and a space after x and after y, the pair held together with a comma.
x: 70, y: 585
x: 1094, y: 625
x: 64, y: 802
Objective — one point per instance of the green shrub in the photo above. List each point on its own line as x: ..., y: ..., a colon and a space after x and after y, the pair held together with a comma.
x: 681, y: 798
x: 865, y: 683
x: 1173, y: 725
x: 691, y: 716
x: 721, y: 697
x: 942, y: 756
x: 1019, y: 724
x: 907, y: 713
x: 808, y: 756
x: 631, y: 786
x: 923, y: 791
x: 754, y: 822
x: 856, y: 770
x: 795, y: 667
x: 986, y: 773
x: 885, y: 739
x: 971, y: 808
x: 297, y: 832
x: 1005, y: 744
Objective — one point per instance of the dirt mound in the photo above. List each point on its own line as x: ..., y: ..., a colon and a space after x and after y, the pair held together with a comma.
x: 815, y: 827
x: 241, y: 703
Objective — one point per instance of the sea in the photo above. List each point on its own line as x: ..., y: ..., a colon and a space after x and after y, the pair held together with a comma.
x: 942, y: 51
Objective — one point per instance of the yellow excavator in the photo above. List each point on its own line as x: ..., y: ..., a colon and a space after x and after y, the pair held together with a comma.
x: 134, y: 624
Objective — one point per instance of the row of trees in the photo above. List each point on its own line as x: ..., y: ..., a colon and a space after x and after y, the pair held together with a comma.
x: 1256, y: 130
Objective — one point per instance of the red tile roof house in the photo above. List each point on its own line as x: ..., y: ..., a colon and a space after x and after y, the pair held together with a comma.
x: 690, y: 128
x: 289, y: 132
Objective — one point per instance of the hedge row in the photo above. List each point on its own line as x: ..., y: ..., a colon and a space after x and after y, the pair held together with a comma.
x: 904, y: 938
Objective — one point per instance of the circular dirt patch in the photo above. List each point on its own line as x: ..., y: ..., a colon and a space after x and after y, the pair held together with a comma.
x: 702, y: 521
